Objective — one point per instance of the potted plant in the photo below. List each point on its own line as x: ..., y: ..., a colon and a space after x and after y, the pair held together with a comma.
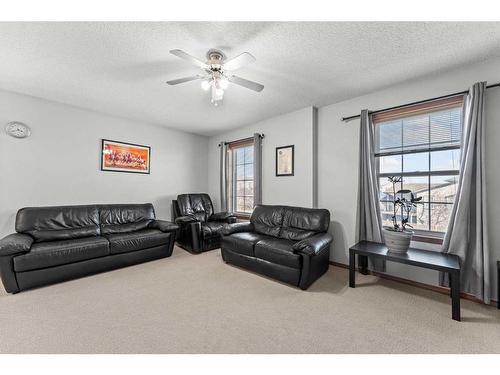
x: 398, y: 237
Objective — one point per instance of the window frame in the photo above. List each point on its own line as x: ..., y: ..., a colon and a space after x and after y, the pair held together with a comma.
x: 232, y: 147
x: 427, y: 108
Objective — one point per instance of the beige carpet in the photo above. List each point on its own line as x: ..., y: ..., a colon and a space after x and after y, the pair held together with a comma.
x: 197, y: 304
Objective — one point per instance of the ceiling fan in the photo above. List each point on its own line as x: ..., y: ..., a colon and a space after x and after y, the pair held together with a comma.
x: 217, y: 72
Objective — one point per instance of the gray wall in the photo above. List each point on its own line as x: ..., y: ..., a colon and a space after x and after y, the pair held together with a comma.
x: 295, y: 128
x: 338, y: 155
x: 60, y: 163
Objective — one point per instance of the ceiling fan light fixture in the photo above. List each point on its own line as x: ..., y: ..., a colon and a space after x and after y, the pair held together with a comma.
x: 205, y: 85
x: 223, y: 83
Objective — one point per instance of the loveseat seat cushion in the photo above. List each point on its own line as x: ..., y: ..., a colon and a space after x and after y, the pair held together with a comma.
x: 139, y: 240
x: 243, y: 242
x: 212, y: 228
x: 125, y: 218
x: 56, y: 253
x: 58, y: 223
x: 279, y: 251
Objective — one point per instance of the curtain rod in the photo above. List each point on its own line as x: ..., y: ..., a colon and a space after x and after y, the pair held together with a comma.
x: 241, y: 140
x: 418, y: 102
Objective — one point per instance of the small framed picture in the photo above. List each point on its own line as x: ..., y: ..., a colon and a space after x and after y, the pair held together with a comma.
x: 125, y: 157
x: 285, y: 160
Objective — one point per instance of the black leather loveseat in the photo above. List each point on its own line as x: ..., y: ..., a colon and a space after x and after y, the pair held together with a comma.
x: 54, y: 244
x: 200, y: 226
x: 290, y: 244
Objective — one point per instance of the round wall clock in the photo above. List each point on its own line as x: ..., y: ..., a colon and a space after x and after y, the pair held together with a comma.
x: 17, y: 129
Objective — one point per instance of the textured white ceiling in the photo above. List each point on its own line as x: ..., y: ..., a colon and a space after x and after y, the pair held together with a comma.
x: 121, y: 68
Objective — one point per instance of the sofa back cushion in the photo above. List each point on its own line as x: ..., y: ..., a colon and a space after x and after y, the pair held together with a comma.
x: 300, y: 223
x: 291, y: 223
x: 123, y: 218
x: 198, y: 205
x: 58, y: 222
x: 267, y: 219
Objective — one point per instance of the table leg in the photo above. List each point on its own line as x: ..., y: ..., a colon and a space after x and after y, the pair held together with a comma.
x: 363, y: 264
x: 498, y: 285
x: 352, y: 269
x: 455, y: 295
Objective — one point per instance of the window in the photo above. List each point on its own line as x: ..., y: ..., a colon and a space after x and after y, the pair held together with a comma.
x: 422, y: 145
x: 241, y: 162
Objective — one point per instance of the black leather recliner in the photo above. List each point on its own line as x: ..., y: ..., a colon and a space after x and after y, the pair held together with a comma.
x: 290, y: 244
x: 200, y: 227
x: 54, y: 244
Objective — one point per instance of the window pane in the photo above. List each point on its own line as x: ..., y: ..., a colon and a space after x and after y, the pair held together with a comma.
x: 416, y: 132
x: 240, y: 188
x: 386, y: 210
x: 248, y: 204
x: 240, y: 204
x: 390, y: 164
x: 445, y: 127
x: 240, y: 172
x: 419, y: 217
x: 249, y: 154
x: 388, y: 136
x: 239, y: 155
x: 443, y: 188
x: 440, y: 215
x: 416, y: 162
x: 418, y: 185
x: 445, y: 160
x: 386, y: 189
x: 249, y: 188
x: 248, y: 171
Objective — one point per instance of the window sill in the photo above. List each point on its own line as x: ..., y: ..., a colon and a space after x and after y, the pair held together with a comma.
x: 427, y: 239
x: 242, y: 217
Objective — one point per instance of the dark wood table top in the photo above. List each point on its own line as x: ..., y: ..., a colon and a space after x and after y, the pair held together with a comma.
x: 416, y: 257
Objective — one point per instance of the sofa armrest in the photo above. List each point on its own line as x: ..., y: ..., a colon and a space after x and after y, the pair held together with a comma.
x: 313, y: 245
x: 237, y: 228
x: 164, y: 226
x: 226, y: 217
x: 183, y: 220
x: 15, y: 243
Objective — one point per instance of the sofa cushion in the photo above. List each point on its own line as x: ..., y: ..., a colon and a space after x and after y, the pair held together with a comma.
x: 267, y: 219
x: 125, y: 218
x: 212, y: 228
x: 58, y: 222
x: 142, y: 239
x: 243, y: 242
x: 300, y: 223
x: 55, y: 253
x: 279, y: 251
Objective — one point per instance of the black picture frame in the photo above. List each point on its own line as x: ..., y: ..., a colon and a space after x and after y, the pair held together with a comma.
x: 278, y: 174
x: 105, y: 169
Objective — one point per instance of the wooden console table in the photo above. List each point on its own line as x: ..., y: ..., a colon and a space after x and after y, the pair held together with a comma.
x: 420, y: 258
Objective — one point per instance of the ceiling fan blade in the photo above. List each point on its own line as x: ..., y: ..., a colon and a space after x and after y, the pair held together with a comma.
x: 238, y: 61
x: 185, y: 79
x: 246, y: 83
x: 193, y: 60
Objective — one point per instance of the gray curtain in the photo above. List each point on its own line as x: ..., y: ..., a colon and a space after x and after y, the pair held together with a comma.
x: 257, y: 168
x: 368, y: 219
x: 467, y: 234
x: 223, y: 176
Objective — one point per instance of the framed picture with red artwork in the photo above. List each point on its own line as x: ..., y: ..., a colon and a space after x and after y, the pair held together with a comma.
x: 125, y: 157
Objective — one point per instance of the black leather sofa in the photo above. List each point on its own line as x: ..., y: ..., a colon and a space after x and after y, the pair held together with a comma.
x: 200, y: 228
x: 290, y: 244
x: 54, y: 244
